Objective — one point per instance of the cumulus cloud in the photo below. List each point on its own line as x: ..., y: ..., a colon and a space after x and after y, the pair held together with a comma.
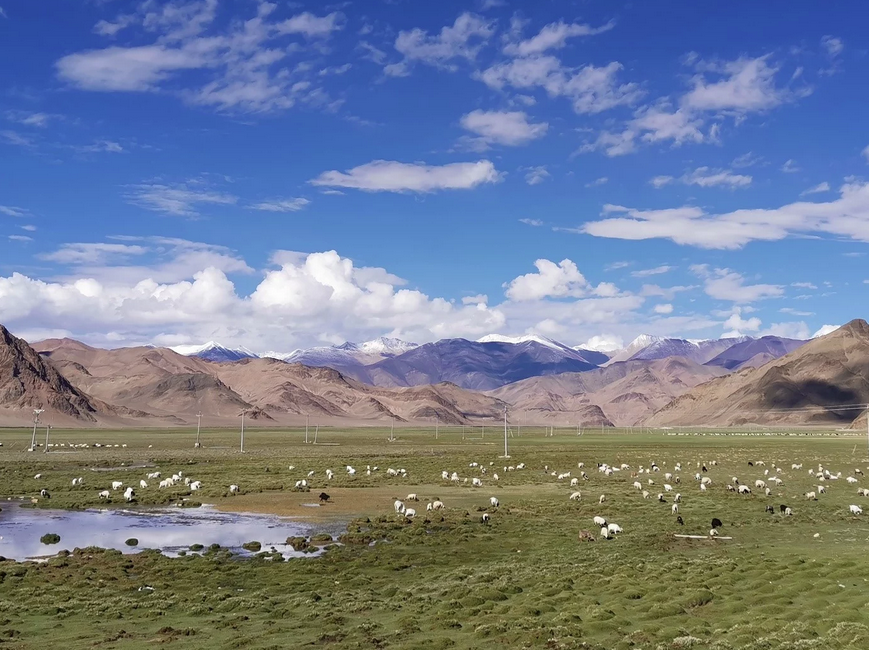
x: 562, y: 280
x: 824, y: 330
x: 392, y: 176
x: 845, y: 217
x: 508, y: 128
x: 725, y: 284
x: 665, y: 308
x: 744, y: 85
x: 603, y: 343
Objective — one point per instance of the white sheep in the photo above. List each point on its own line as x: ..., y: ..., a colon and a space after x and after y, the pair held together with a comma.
x: 677, y: 498
x: 576, y: 496
x: 638, y: 485
x: 713, y: 533
x: 604, y: 532
x: 645, y: 494
x: 233, y: 489
x: 744, y: 489
x: 668, y: 487
x: 399, y: 506
x: 153, y: 475
x: 37, y: 477
x: 759, y: 484
x: 822, y: 489
x: 574, y: 482
x: 410, y: 513
x: 437, y: 505
x: 494, y: 502
x: 614, y: 528
x: 851, y: 479
x: 166, y: 482
x: 495, y: 476
x: 811, y: 495
x: 788, y: 512
x: 143, y: 484
x: 675, y: 508
x: 476, y: 482
x: 485, y: 518
x: 855, y: 510
x: 105, y: 494
x: 600, y: 521
x: 411, y: 497
x: 129, y: 494
x: 703, y: 487
x: 117, y: 485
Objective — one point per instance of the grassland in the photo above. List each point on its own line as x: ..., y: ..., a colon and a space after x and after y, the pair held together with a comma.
x: 522, y: 581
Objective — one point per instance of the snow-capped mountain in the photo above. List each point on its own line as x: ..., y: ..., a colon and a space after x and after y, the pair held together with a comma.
x: 213, y: 351
x: 591, y: 356
x: 386, y: 346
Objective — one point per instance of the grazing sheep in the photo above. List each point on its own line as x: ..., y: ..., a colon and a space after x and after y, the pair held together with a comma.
x: 645, y: 494
x: 233, y: 489
x: 668, y: 488
x: 680, y: 521
x: 195, y: 485
x: 661, y: 498
x: 153, y: 475
x: 605, y: 532
x: 602, y: 498
x: 614, y: 528
x: 428, y: 507
x: 493, y: 501
x: 855, y: 510
x: 851, y: 479
x: 129, y: 495
x: 485, y: 518
x: 574, y: 482
x: 437, y: 505
x: 495, y: 476
x: 864, y: 492
x: 788, y: 512
x: 600, y: 521
x: 759, y: 484
x: 476, y: 482
x: 716, y: 522
x: 576, y: 496
x: 77, y: 481
x: 411, y: 497
x: 399, y: 506
x: 410, y: 513
x: 677, y: 498
x: 770, y: 509
x: 812, y: 496
x: 713, y: 533
x: 37, y: 477
x: 675, y: 508
x: 117, y: 485
x: 324, y: 498
x: 44, y: 494
x: 105, y: 494
x: 744, y: 489
x: 143, y: 484
x: 638, y: 485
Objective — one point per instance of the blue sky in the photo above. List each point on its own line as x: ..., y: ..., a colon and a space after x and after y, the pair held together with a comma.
x: 286, y: 174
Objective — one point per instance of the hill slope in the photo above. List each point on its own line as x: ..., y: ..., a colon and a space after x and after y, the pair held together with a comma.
x: 825, y: 381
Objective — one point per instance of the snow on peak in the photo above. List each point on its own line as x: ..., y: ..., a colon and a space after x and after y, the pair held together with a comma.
x: 212, y: 346
x: 386, y: 345
x: 643, y: 341
x: 525, y: 338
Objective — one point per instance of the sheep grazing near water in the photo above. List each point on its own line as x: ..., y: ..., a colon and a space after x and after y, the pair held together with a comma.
x: 324, y: 498
x: 117, y: 485
x: 411, y: 497
x: 855, y: 510
x: 493, y: 501
x: 44, y: 494
x: 410, y: 513
x: 105, y: 494
x: 129, y: 495
x: 233, y: 489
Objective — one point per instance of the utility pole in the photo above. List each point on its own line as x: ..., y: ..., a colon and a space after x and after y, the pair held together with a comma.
x: 198, y: 428
x: 36, y: 413
x: 437, y: 421
x: 316, y: 431
x: 306, y: 429
x: 506, y: 455
x: 47, y: 429
x: 392, y: 431
x: 242, y: 430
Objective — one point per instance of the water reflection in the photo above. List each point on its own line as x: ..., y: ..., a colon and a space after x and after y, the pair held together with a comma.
x: 170, y: 530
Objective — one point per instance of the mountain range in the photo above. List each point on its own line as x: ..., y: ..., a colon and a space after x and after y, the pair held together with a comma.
x: 540, y: 381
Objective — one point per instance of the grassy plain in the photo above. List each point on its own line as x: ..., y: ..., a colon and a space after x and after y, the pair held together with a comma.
x: 522, y: 581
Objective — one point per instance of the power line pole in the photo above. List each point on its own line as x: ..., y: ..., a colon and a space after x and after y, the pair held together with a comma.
x: 198, y: 428
x: 47, y: 429
x: 437, y: 421
x: 506, y: 454
x: 306, y: 428
x: 242, y: 430
x: 36, y: 413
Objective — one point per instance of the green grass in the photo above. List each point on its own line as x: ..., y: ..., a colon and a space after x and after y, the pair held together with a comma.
x: 446, y: 580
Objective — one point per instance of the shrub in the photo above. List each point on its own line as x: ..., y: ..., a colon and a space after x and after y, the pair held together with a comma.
x: 50, y: 538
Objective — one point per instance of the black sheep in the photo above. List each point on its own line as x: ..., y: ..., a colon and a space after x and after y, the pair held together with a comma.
x: 750, y: 464
x: 680, y: 521
x: 324, y: 497
x: 770, y: 509
x: 704, y: 469
x: 716, y: 523
x: 782, y: 508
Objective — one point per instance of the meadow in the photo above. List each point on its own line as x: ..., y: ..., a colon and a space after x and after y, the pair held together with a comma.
x: 446, y: 579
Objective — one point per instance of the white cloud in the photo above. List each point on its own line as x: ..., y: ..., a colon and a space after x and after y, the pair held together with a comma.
x: 658, y: 270
x: 865, y: 153
x: 824, y: 330
x: 603, y: 180
x: 845, y: 217
x: 40, y: 120
x: 392, y: 176
x: 536, y: 175
x: 747, y: 85
x: 12, y: 211
x: 746, y: 160
x: 179, y: 199
x: 532, y: 222
x: 706, y: 177
x: 551, y: 281
x: 664, y: 309
x: 651, y: 124
x: 804, y: 285
x: 603, y: 343
x: 554, y: 36
x: 590, y: 89
x: 724, y: 284
x: 661, y: 181
x: 739, y: 325
x: 509, y: 128
x: 243, y: 66
x: 797, y: 330
x: 790, y: 167
x: 17, y: 139
x: 282, y: 205
x: 817, y: 189
x: 795, y: 312
x: 834, y: 46
x: 462, y: 40
x: 101, y: 146
x: 21, y: 238
x: 479, y: 299
x: 92, y: 254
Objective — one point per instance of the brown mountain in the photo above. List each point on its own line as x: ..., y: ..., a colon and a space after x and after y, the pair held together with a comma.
x: 626, y: 392
x: 28, y: 382
x: 322, y: 392
x: 826, y: 381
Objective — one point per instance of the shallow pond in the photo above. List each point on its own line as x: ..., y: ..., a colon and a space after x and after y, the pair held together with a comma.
x: 170, y: 530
